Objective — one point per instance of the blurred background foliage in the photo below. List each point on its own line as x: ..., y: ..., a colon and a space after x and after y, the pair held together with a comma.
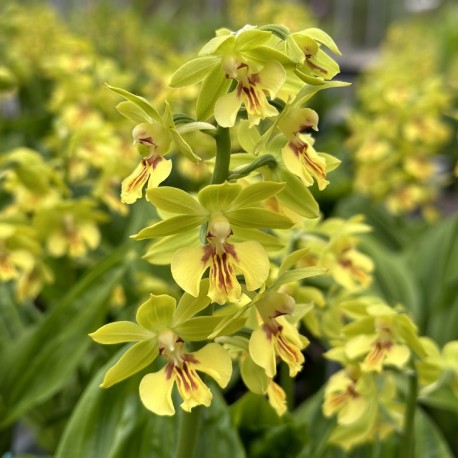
x: 64, y: 151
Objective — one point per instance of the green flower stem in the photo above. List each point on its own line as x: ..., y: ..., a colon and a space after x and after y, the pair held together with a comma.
x: 408, y: 440
x: 189, y: 432
x: 190, y: 422
x: 223, y: 155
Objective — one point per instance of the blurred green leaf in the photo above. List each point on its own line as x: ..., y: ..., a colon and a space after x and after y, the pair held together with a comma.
x: 41, y: 360
x: 264, y: 433
x: 442, y: 398
x: 393, y: 279
x: 112, y: 423
x: 10, y: 321
x: 433, y: 260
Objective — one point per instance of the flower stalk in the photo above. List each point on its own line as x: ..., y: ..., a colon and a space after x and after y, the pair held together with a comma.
x: 408, y: 441
x: 188, y: 433
x: 223, y: 155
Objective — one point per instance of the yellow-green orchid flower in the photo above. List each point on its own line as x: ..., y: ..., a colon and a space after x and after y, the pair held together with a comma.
x: 276, y: 336
x: 315, y: 66
x: 298, y: 154
x: 438, y: 368
x: 253, y: 376
x: 348, y: 394
x: 244, y: 56
x: 154, y: 136
x: 181, y: 368
x: 220, y: 207
x: 251, y: 92
x: 70, y: 227
x: 161, y: 329
x: 381, y: 336
x: 19, y: 248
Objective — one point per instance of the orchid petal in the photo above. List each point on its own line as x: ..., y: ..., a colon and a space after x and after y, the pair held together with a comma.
x: 214, y: 361
x: 156, y: 392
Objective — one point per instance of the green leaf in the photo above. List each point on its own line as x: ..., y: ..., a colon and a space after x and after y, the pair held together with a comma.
x: 432, y: 260
x: 258, y: 218
x: 11, y: 325
x: 393, y: 280
x: 132, y: 112
x: 429, y: 441
x: 41, y: 360
x: 265, y: 433
x: 140, y: 102
x: 174, y: 225
x: 214, y: 86
x: 255, y: 193
x: 112, y: 423
x: 174, y: 200
x: 443, y: 398
x: 193, y: 71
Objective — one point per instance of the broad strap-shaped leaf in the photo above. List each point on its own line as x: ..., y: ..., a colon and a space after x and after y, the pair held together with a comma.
x: 40, y: 361
x: 112, y: 423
